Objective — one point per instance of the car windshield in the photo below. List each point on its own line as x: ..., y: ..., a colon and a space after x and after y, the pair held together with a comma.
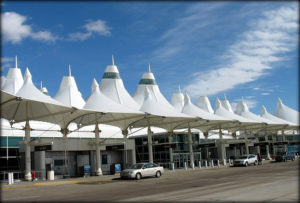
x: 136, y: 166
x: 242, y: 157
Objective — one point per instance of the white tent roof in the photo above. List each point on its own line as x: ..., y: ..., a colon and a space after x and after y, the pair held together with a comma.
x: 208, y: 120
x: 286, y: 113
x: 110, y: 112
x: 113, y: 87
x: 154, y: 103
x: 225, y: 103
x: 2, y: 81
x: 14, y: 80
x: 68, y: 92
x: 148, y: 80
x: 31, y: 104
x: 177, y: 100
x: 267, y: 115
x: 204, y: 104
x: 243, y: 110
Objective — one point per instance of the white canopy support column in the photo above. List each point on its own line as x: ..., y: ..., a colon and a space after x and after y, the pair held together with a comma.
x: 125, y: 133
x: 273, y: 143
x: 284, y: 140
x: 257, y: 146
x: 98, y: 160
x: 206, y: 147
x: 246, y: 141
x: 170, y: 137
x: 268, y: 157
x: 192, y: 165
x: 65, y: 139
x: 150, y: 150
x: 221, y: 146
x: 27, y: 152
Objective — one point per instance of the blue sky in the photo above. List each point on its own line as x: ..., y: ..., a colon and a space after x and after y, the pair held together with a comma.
x: 241, y: 49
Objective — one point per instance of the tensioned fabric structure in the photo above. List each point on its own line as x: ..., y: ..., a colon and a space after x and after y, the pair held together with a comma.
x: 21, y: 101
x: 286, y: 113
x: 153, y: 103
x: 29, y: 103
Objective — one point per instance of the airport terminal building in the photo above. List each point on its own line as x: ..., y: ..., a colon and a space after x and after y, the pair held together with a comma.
x: 112, y: 129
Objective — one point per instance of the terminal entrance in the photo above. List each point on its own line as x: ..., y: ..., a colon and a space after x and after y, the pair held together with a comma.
x: 180, y: 158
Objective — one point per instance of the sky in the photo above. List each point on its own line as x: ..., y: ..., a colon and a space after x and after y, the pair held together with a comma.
x: 244, y: 50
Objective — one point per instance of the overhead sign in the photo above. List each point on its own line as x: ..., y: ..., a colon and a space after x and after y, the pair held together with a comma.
x: 43, y: 148
x: 114, y: 147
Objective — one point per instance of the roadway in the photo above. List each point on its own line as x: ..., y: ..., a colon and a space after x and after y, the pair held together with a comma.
x: 271, y: 182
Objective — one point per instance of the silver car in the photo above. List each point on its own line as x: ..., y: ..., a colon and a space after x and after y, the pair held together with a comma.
x: 142, y: 170
x: 245, y: 160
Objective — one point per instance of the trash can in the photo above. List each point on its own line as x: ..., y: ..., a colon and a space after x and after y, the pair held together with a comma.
x: 118, y: 168
x: 50, y: 175
x: 10, y: 178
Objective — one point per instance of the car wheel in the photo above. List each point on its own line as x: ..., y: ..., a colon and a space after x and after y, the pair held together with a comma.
x: 138, y: 176
x: 255, y: 163
x: 246, y: 164
x: 158, y: 174
x: 293, y: 159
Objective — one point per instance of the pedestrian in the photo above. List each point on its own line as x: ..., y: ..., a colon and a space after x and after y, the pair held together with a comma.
x: 259, y: 157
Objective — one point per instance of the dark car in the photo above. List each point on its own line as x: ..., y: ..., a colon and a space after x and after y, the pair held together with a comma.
x: 285, y: 156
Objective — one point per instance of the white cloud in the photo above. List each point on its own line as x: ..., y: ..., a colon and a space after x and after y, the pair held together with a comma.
x: 14, y: 29
x: 98, y: 27
x: 265, y: 93
x: 6, y: 62
x: 249, y: 58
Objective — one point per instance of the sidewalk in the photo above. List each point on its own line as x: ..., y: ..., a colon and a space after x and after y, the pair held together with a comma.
x: 38, y: 183
x: 103, y: 178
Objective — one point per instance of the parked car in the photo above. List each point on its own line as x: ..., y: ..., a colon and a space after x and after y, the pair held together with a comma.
x: 141, y: 170
x: 285, y: 156
x: 245, y: 160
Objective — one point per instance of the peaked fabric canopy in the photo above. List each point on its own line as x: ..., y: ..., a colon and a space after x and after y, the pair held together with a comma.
x: 109, y: 112
x: 244, y: 122
x: 68, y: 92
x: 243, y: 110
x: 113, y: 87
x: 206, y: 121
x: 178, y: 100
x: 152, y: 102
x: 286, y: 113
x: 13, y: 81
x: 265, y: 114
x: 31, y: 104
x: 204, y: 104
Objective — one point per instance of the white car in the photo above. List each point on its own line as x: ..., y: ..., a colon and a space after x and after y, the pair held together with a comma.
x: 245, y: 160
x: 142, y: 170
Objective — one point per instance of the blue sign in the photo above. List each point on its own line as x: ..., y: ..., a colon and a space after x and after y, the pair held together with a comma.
x: 117, y: 167
x: 87, y: 169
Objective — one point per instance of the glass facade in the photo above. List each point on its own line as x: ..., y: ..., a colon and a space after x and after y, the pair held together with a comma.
x: 111, y: 75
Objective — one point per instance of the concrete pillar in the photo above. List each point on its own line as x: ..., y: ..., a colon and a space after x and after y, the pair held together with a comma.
x: 150, y: 150
x: 221, y: 146
x: 133, y: 156
x: 267, y: 148
x: 170, y: 138
x: 27, y: 152
x: 206, y: 148
x: 273, y: 143
x: 42, y: 164
x: 65, y: 138
x: 285, y: 147
x: 246, y: 142
x: 205, y: 163
x: 98, y: 155
x: 125, y: 133
x: 192, y: 165
x: 258, y: 149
